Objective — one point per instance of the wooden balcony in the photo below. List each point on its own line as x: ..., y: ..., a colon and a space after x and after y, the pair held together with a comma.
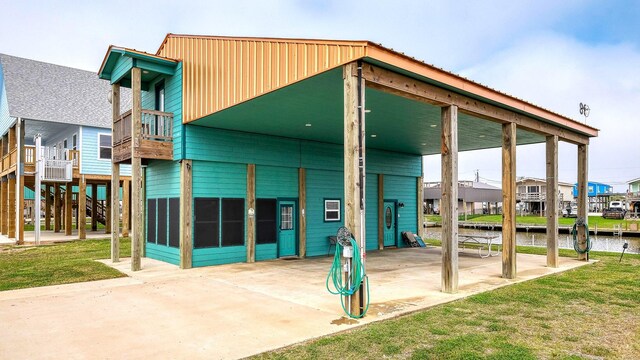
x: 54, y: 170
x: 531, y: 196
x: 156, y: 141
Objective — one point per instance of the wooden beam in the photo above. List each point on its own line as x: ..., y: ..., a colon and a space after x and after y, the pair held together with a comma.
x: 68, y: 207
x: 143, y: 204
x: 4, y: 213
x: 125, y: 206
x: 47, y: 207
x: 94, y: 207
x: 509, y: 201
x: 352, y: 220
x: 12, y: 206
x: 552, y: 201
x: 107, y: 208
x: 137, y: 221
x: 380, y: 211
x: 402, y: 85
x: 186, y: 199
x: 583, y: 199
x: 56, y: 208
x: 251, y: 220
x: 302, y: 219
x: 420, y: 205
x: 82, y: 208
x: 449, y: 199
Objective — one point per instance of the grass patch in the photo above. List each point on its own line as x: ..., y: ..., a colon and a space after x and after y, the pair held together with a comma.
x: 24, y: 267
x: 31, y: 227
x: 589, y: 312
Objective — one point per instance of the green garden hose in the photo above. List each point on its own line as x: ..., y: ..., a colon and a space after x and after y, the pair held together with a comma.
x: 574, y: 233
x: 356, y: 276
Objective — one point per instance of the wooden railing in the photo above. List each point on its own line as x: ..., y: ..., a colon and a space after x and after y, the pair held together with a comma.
x: 13, y: 155
x: 74, y: 156
x: 532, y: 196
x: 156, y: 125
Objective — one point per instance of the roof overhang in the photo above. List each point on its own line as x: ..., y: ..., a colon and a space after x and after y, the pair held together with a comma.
x: 118, y: 62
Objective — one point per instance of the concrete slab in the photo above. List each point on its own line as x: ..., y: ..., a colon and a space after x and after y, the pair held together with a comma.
x: 228, y: 311
x: 50, y: 237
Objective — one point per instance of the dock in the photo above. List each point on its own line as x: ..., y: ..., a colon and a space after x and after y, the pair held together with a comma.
x: 562, y: 229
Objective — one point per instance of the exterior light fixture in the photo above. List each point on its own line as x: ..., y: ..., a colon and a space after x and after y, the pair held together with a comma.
x: 307, y: 124
x: 374, y: 135
x: 401, y: 205
x: 433, y: 125
x: 480, y: 136
x: 424, y: 144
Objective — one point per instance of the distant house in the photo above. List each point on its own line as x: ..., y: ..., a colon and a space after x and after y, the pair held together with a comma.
x: 531, y: 194
x: 473, y: 197
x: 67, y: 109
x: 598, y: 195
x: 633, y: 196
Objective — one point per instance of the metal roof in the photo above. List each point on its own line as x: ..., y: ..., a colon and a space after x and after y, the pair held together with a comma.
x: 47, y: 92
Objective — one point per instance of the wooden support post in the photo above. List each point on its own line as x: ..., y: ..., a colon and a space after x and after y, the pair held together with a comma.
x: 380, y: 211
x: 68, y: 207
x: 20, y: 214
x: 82, y: 208
x: 251, y: 219
x: 552, y: 201
x: 583, y: 199
x: 186, y: 239
x: 302, y: 218
x: 126, y: 205
x: 47, y: 207
x: 137, y: 221
x: 420, y: 205
x: 449, y: 199
x: 56, y: 208
x: 12, y: 206
x: 94, y: 207
x: 352, y: 219
x: 143, y: 204
x: 4, y: 206
x: 107, y: 209
x: 509, y: 201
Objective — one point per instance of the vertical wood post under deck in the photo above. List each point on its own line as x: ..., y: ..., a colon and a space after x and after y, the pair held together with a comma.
x: 143, y: 207
x: 12, y: 206
x: 68, y: 208
x: 137, y: 220
x: 82, y: 208
x: 3, y: 206
x: 47, y: 207
x: 125, y: 207
x: 583, y: 198
x: 302, y: 216
x: 552, y: 201
x: 509, y: 201
x: 94, y: 207
x: 186, y: 240
x: 449, y: 199
x: 420, y: 205
x: 56, y: 208
x: 251, y: 219
x: 107, y: 207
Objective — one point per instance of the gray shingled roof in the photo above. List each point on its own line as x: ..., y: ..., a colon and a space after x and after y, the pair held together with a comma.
x: 41, y: 91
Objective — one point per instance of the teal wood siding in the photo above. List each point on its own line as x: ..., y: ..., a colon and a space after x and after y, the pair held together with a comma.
x: 403, y: 189
x: 321, y: 185
x: 122, y: 67
x: 273, y: 183
x: 371, y: 203
x: 5, y: 118
x: 220, y: 180
x: 162, y: 180
x: 90, y: 164
x: 390, y: 163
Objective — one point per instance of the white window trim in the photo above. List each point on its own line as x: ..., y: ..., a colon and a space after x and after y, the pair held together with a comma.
x: 98, y: 144
x: 339, y: 208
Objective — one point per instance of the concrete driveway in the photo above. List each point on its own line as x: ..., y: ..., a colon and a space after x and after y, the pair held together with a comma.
x: 228, y: 311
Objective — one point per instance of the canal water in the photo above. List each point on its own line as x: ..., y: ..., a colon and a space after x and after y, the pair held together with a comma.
x: 600, y: 243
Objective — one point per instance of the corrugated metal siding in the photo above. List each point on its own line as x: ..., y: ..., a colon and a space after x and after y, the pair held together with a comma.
x: 221, y: 72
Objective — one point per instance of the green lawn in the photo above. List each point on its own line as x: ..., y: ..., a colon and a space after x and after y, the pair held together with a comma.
x: 23, y: 267
x: 31, y: 227
x: 539, y: 220
x: 588, y: 313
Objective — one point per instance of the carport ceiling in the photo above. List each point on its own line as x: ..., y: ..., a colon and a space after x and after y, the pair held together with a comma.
x: 313, y: 110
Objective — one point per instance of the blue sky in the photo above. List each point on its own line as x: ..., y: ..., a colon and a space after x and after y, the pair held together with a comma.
x: 553, y: 53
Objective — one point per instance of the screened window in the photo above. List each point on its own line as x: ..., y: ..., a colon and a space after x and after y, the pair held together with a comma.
x: 104, y: 146
x: 174, y: 222
x: 286, y: 217
x: 151, y: 220
x: 332, y: 210
x: 266, y: 221
x: 206, y: 223
x: 232, y: 222
x: 162, y: 222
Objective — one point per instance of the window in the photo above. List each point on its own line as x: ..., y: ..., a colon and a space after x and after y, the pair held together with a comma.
x: 266, y: 221
x: 206, y: 223
x: 151, y: 220
x: 522, y: 189
x: 104, y: 146
x: 64, y: 144
x: 388, y: 218
x: 160, y: 96
x: 74, y: 142
x: 232, y: 222
x: 332, y: 210
x: 532, y: 189
x: 286, y: 217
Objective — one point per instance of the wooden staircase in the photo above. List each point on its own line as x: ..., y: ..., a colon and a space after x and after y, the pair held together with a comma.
x: 100, y: 209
